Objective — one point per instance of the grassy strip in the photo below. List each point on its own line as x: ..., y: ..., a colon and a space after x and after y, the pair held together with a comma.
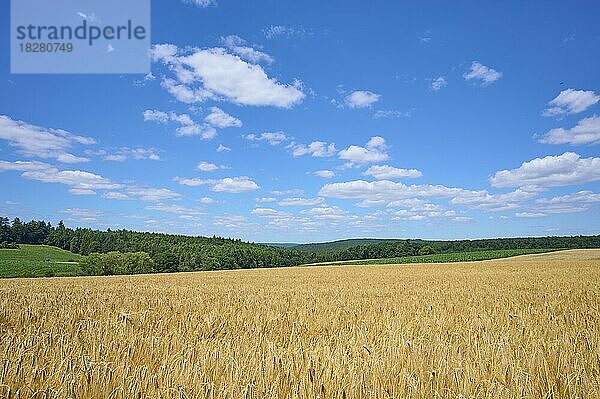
x: 38, y: 261
x: 449, y: 257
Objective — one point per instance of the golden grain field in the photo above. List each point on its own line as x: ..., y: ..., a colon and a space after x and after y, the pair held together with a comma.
x: 526, y: 327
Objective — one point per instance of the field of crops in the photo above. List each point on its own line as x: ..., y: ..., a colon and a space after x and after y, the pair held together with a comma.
x: 449, y: 257
x: 525, y: 327
x: 37, y: 261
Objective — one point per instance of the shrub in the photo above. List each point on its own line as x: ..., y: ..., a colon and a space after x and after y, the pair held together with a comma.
x: 109, y: 263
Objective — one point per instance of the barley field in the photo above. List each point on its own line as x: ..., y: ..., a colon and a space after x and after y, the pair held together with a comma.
x: 524, y: 327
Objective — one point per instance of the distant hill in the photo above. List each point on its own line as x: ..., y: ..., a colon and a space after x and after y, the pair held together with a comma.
x: 38, y: 261
x: 342, y: 244
x: 280, y: 244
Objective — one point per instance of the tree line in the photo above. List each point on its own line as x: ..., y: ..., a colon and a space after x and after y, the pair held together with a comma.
x: 171, y: 253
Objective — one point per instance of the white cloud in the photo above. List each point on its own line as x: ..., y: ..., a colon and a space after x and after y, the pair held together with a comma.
x: 23, y: 166
x: 274, y: 31
x: 184, y: 93
x: 36, y: 141
x: 74, y: 178
x: 293, y: 191
x: 461, y: 219
x: 361, y: 99
x: 384, y: 190
x: 326, y: 174
x: 207, y: 200
x: 273, y: 138
x: 187, y: 127
x: 571, y: 101
x: 230, y: 221
x: 493, y: 202
x: 367, y: 203
x: 381, y: 172
x: 193, y: 182
x: 587, y: 131
x: 323, y: 211
x: 235, y: 185
x: 150, y: 194
x: 485, y: 75
x: 82, y: 212
x: 301, y: 201
x: 438, y: 83
x: 390, y: 114
x: 238, y: 45
x: 221, y: 75
x: 91, y: 17
x: 530, y: 215
x: 177, y: 209
x: 79, y: 182
x: 265, y: 200
x: 560, y: 170
x: 578, y: 197
x: 229, y: 184
x: 124, y: 153
x: 207, y: 166
x: 375, y: 151
x: 202, y: 3
x: 318, y: 149
x: 220, y: 118
x: 222, y: 148
x: 268, y: 212
x: 81, y: 191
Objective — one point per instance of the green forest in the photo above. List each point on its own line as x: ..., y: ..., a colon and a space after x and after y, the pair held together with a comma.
x: 126, y: 251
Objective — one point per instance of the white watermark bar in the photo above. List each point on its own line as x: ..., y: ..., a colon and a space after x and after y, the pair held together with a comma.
x: 74, y: 36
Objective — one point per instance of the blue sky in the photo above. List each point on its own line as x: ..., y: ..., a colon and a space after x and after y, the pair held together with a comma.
x: 280, y: 121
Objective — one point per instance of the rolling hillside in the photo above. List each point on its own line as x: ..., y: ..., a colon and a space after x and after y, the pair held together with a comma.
x: 38, y: 261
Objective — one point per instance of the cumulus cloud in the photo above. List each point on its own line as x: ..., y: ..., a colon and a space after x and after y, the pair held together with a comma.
x: 239, y: 46
x: 318, y: 149
x: 35, y: 141
x: 273, y: 138
x: 124, y: 153
x: 438, y: 83
x: 381, y: 172
x: 217, y: 74
x: 22, y: 166
x: 172, y: 208
x: 82, y: 212
x: 326, y: 174
x: 587, y: 131
x: 202, y: 3
x: 223, y: 148
x: 187, y: 127
x: 274, y: 31
x: 265, y: 199
x: 207, y: 166
x: 228, y: 184
x: 374, y: 151
x: 493, y: 202
x: 79, y: 182
x: 235, y: 185
x: 578, y: 197
x: 220, y: 118
x: 571, y: 101
x: 150, y: 194
x: 268, y: 212
x: 554, y: 170
x: 361, y: 99
x: 384, y: 190
x: 530, y: 215
x: 301, y: 201
x: 379, y: 114
x: 482, y: 74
